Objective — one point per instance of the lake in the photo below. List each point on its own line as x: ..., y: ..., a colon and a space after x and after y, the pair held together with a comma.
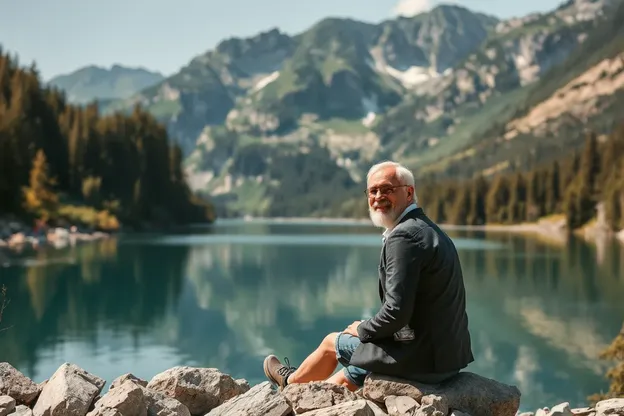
x: 228, y: 294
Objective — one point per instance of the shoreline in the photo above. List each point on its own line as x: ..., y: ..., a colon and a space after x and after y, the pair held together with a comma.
x: 194, y: 391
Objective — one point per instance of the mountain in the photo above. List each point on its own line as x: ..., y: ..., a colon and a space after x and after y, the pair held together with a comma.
x: 339, y: 68
x: 257, y: 118
x: 96, y: 83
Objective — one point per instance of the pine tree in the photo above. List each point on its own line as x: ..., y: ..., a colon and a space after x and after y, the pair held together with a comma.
x: 39, y: 198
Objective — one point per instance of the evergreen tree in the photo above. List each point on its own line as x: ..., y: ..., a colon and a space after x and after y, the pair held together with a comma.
x: 39, y: 198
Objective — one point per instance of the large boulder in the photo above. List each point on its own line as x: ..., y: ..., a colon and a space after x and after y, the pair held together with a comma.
x: 466, y: 392
x: 69, y: 392
x: 261, y: 400
x: 126, y: 399
x: 125, y: 377
x: 159, y: 404
x: 199, y: 389
x: 610, y: 407
x: 17, y: 385
x: 312, y: 396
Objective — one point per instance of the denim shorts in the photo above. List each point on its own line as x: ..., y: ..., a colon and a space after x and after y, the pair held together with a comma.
x: 345, y: 347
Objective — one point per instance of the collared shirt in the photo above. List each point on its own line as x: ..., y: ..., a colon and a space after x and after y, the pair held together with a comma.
x: 409, y: 208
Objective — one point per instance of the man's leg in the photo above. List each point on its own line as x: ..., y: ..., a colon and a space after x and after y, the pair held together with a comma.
x: 316, y: 367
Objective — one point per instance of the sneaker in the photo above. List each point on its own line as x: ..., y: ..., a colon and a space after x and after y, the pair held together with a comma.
x: 276, y: 372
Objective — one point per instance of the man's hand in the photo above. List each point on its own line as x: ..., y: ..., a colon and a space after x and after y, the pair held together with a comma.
x: 352, y: 329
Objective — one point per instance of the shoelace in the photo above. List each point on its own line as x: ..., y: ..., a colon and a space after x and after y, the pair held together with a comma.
x: 286, y: 369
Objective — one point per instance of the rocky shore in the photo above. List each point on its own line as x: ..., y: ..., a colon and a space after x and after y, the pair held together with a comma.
x: 193, y: 391
x: 16, y: 235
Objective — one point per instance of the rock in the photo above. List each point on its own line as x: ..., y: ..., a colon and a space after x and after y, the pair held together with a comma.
x: 610, y: 407
x: 17, y: 385
x: 22, y: 410
x: 7, y: 405
x: 127, y: 399
x: 541, y: 412
x: 355, y: 408
x: 128, y: 376
x: 401, y: 405
x: 159, y: 404
x: 377, y: 411
x: 304, y: 397
x: 438, y: 402
x: 467, y: 392
x: 458, y: 413
x: 199, y: 389
x: 70, y: 391
x: 562, y: 409
x: 428, y: 410
x: 583, y: 411
x: 261, y: 400
x: 526, y: 414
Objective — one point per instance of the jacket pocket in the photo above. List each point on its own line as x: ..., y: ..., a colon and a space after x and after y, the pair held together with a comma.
x: 404, y: 334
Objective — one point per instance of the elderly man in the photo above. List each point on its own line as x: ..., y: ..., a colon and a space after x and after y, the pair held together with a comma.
x: 421, y: 330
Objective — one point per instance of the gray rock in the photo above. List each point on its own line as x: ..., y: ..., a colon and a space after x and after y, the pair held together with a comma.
x: 70, y: 391
x: 401, y: 405
x: 7, y: 405
x: 199, y: 389
x: 355, y: 408
x: 610, y: 407
x: 261, y: 400
x: 526, y: 414
x: 159, y: 404
x: 542, y: 412
x: 562, y: 409
x: 304, y: 397
x: 458, y: 413
x: 128, y: 376
x: 438, y: 402
x: 17, y: 385
x: 377, y: 411
x: 126, y: 399
x: 428, y: 410
x: 467, y: 392
x: 22, y: 410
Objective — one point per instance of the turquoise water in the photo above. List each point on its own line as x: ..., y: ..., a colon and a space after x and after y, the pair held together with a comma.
x: 226, y: 295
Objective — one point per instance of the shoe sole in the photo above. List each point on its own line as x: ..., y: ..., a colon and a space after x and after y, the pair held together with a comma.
x: 266, y: 370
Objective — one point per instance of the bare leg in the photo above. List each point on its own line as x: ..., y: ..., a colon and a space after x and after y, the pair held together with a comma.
x: 319, y: 365
x: 340, y: 379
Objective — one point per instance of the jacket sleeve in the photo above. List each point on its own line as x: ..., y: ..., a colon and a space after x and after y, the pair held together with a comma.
x: 405, y: 255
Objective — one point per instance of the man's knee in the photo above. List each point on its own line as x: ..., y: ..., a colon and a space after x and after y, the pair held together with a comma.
x: 329, y: 343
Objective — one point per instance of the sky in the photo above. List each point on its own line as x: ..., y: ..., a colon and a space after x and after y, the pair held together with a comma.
x: 60, y: 36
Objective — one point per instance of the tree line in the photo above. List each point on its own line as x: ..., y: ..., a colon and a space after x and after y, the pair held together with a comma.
x: 63, y: 163
x: 573, y: 186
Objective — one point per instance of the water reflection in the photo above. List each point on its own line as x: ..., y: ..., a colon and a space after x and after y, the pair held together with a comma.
x: 539, y: 313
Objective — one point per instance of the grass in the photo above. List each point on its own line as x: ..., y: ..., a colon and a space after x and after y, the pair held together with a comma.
x: 165, y: 108
x: 89, y: 216
x: 250, y: 198
x: 344, y: 126
x: 471, y: 128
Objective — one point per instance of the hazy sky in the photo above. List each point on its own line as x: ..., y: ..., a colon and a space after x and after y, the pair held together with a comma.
x: 163, y: 35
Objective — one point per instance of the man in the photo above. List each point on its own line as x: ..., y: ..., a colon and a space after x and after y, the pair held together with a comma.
x: 421, y: 330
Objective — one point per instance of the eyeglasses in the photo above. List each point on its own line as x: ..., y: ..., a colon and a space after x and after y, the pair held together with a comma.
x: 384, y: 190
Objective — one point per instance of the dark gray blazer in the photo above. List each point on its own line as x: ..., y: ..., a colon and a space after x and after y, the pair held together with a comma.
x: 422, y: 325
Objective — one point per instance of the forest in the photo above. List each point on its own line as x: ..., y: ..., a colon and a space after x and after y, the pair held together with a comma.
x: 574, y: 185
x: 66, y: 164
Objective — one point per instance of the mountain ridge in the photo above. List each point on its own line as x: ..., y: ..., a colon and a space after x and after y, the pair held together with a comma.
x: 95, y: 82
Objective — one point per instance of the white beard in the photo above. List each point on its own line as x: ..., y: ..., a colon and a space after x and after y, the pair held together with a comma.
x: 381, y: 219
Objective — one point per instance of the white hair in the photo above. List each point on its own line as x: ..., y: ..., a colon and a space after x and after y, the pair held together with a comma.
x: 403, y: 174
